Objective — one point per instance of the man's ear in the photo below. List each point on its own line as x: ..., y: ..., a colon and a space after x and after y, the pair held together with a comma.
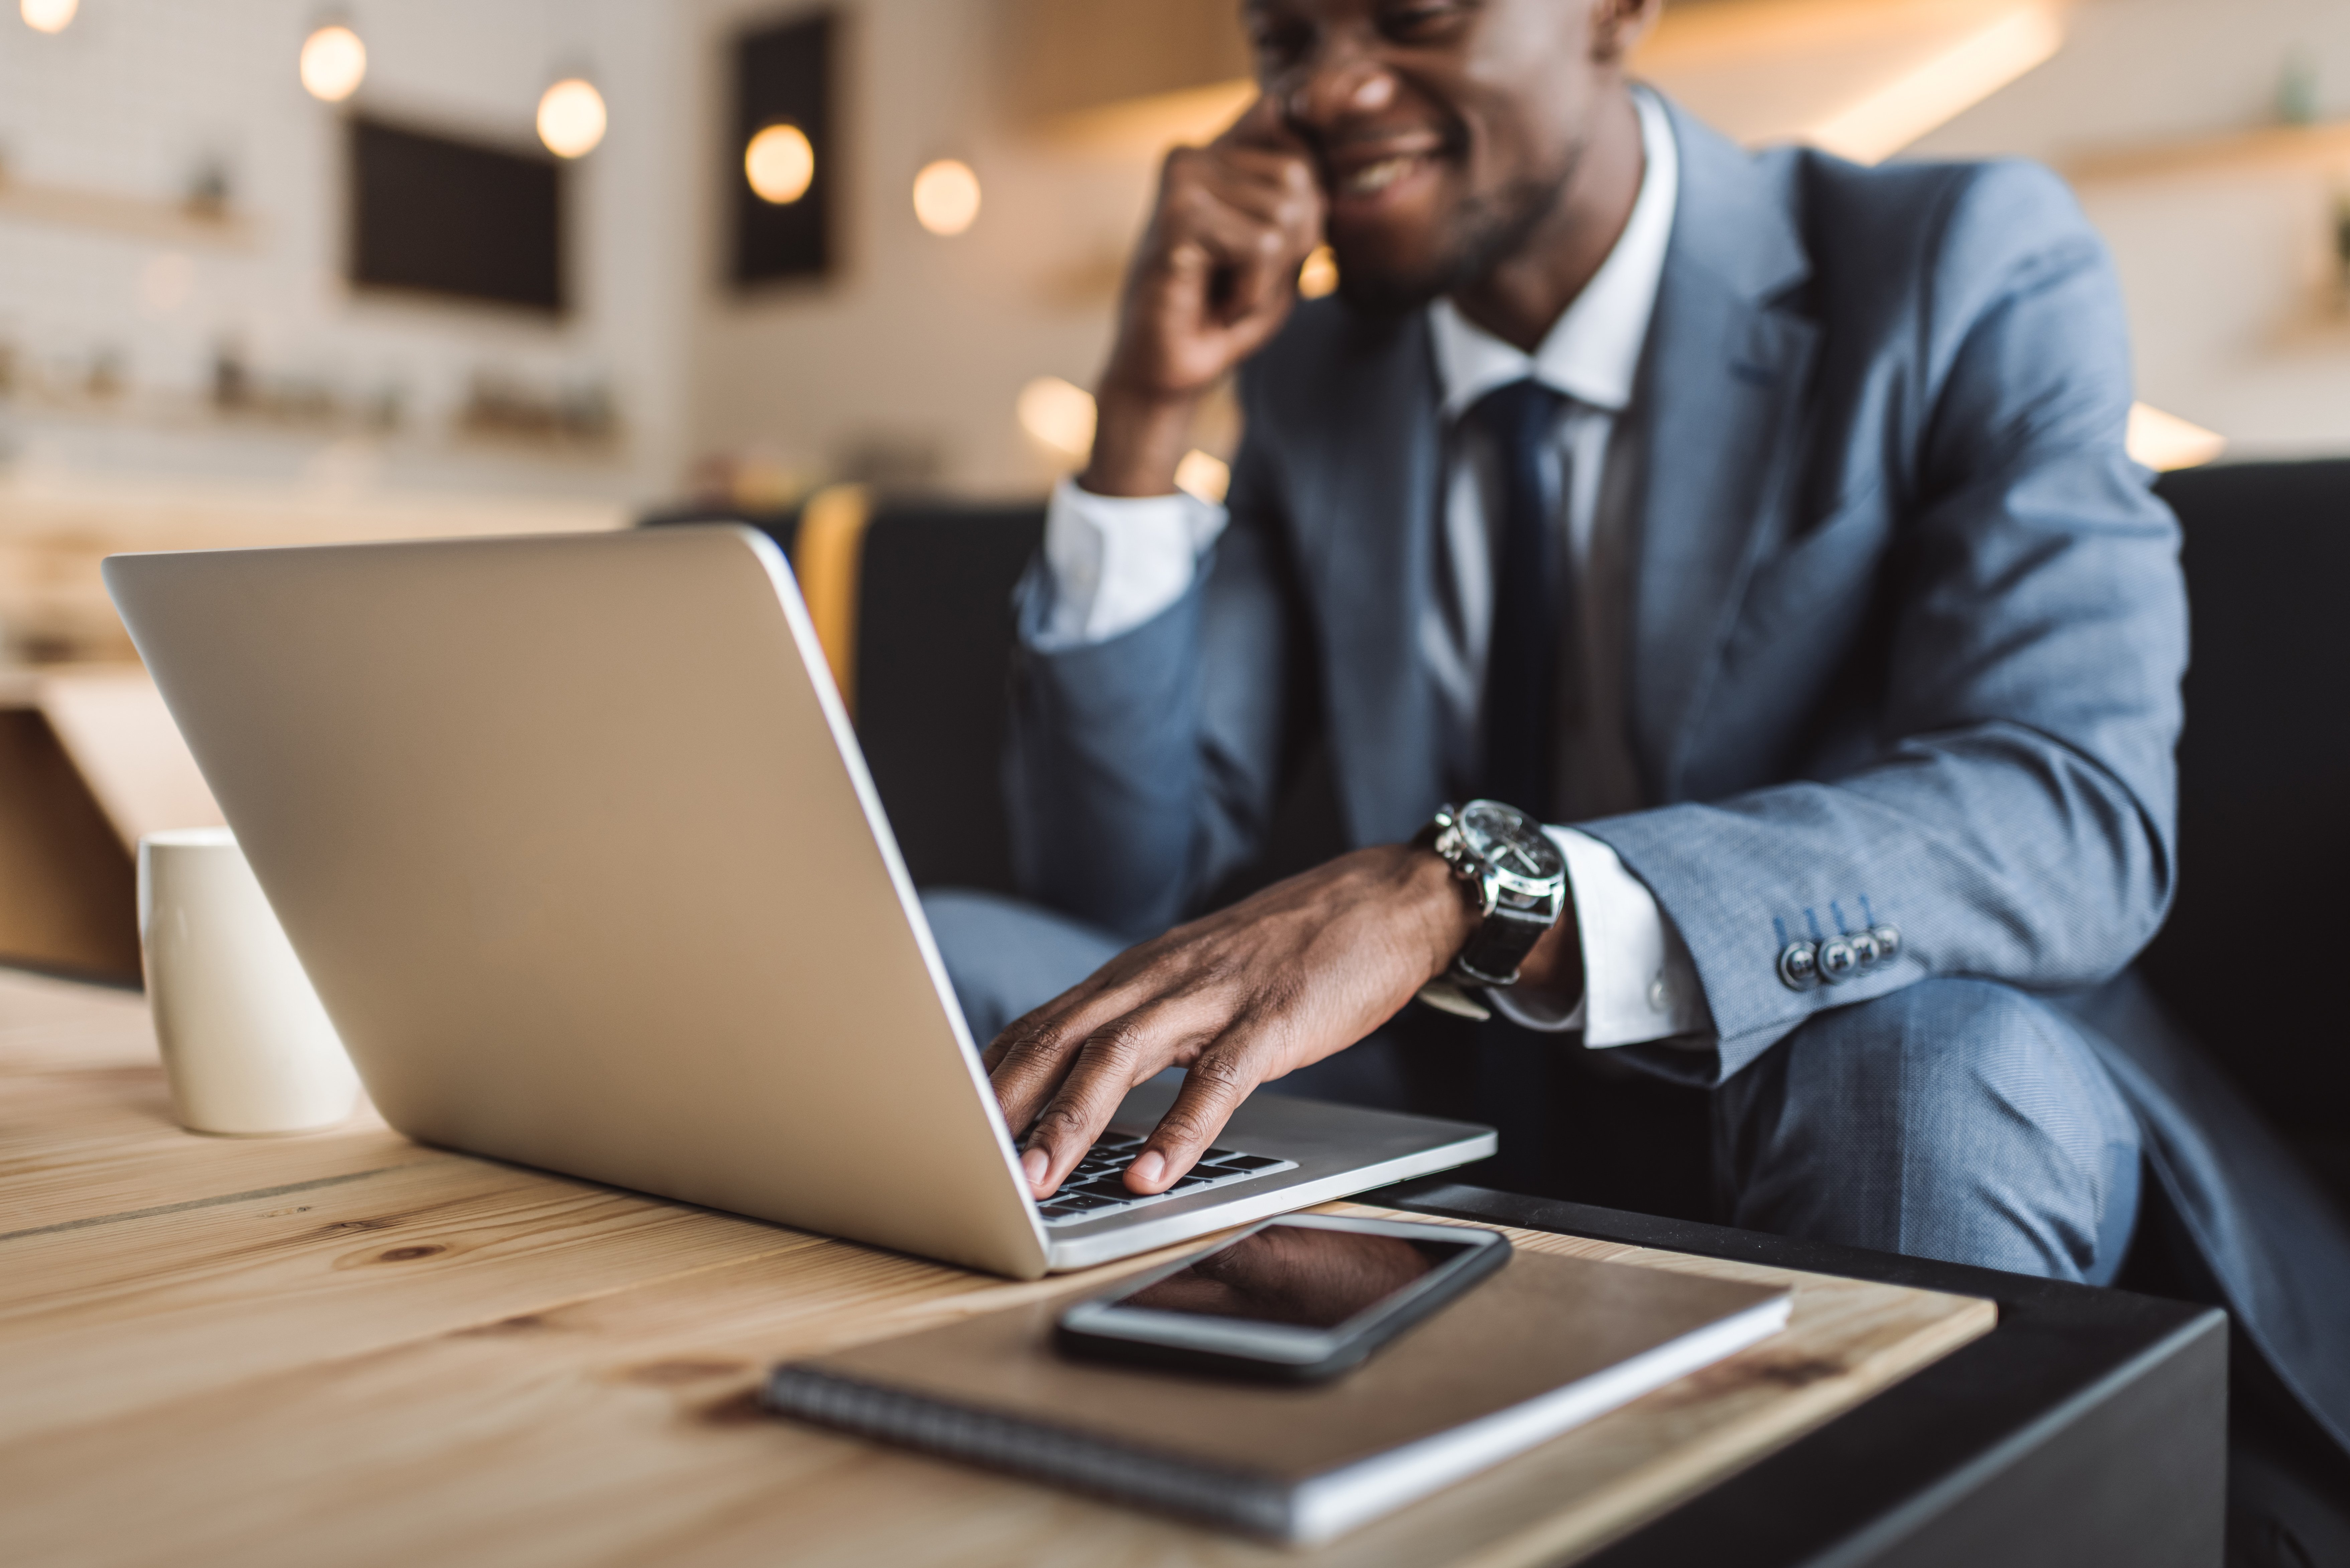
x: 1618, y: 26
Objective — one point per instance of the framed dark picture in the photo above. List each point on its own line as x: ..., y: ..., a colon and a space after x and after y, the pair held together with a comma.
x: 783, y: 84
x: 436, y: 214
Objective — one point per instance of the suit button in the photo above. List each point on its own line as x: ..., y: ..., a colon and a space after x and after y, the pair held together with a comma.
x: 1838, y: 960
x: 1864, y: 948
x: 1799, y: 966
x: 1888, y: 943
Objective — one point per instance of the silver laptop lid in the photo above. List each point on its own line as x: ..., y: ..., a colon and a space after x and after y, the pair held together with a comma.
x: 573, y: 837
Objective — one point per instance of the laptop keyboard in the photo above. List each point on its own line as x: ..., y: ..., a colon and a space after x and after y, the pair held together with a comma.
x: 1096, y: 1188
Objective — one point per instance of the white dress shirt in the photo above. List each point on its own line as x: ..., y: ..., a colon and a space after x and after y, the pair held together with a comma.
x: 1116, y: 562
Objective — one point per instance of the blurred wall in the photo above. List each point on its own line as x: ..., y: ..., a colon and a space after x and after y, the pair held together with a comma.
x: 915, y: 352
x: 115, y: 332
x: 2234, y: 296
x: 907, y: 361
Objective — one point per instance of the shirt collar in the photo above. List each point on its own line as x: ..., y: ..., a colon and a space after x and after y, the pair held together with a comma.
x: 1592, y: 352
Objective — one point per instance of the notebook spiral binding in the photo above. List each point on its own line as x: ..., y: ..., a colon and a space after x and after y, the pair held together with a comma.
x: 1113, y: 1471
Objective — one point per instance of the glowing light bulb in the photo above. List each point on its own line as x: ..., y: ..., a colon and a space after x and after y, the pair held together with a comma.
x: 1058, y: 414
x: 571, y: 117
x: 334, y: 63
x: 1205, y: 475
x: 780, y: 164
x: 1319, y: 275
x: 48, y: 16
x: 946, y: 196
x: 2164, y: 442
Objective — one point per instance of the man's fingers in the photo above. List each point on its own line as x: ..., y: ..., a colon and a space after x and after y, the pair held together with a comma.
x: 1028, y: 1061
x: 1261, y: 125
x: 1261, y: 282
x: 1213, y: 1090
x: 1036, y: 1020
x: 1115, y: 1056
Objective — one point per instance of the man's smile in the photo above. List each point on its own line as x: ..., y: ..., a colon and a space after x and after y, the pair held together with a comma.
x: 1366, y: 175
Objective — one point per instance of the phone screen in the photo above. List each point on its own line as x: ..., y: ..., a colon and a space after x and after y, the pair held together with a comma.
x: 1296, y: 1274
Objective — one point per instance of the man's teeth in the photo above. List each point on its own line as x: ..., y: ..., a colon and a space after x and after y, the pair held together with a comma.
x: 1374, y: 177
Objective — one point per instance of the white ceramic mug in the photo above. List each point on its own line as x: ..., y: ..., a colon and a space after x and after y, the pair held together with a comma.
x: 247, y: 1049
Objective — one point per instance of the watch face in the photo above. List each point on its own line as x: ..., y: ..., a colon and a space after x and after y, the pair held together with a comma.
x: 1510, y: 841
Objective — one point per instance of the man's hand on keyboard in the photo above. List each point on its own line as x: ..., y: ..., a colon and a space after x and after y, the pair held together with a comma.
x: 1302, y: 970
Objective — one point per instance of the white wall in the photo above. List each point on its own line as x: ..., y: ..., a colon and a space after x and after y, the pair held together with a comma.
x: 917, y: 341
x: 2225, y: 270
x: 135, y: 93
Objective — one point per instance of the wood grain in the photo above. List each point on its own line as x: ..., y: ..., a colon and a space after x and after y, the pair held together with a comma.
x: 450, y: 1360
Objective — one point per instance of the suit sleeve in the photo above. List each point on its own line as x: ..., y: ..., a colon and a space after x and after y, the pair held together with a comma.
x: 1142, y: 768
x: 2014, y: 815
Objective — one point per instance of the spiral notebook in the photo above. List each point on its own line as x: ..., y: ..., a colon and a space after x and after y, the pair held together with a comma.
x: 1546, y: 1345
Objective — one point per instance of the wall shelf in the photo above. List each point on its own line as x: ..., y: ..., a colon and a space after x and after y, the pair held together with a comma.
x: 2287, y: 147
x: 129, y: 217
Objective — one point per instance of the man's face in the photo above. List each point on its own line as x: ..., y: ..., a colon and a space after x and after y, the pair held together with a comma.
x: 1444, y: 130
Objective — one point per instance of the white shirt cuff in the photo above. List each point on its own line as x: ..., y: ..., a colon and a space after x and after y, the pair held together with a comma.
x: 1639, y: 982
x: 1116, y: 561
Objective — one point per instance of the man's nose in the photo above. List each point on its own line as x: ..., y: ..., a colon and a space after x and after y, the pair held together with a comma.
x: 1338, y: 83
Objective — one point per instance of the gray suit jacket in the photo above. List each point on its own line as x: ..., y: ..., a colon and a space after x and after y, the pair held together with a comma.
x: 1907, y: 635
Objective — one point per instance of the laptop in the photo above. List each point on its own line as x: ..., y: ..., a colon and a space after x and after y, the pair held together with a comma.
x: 574, y: 838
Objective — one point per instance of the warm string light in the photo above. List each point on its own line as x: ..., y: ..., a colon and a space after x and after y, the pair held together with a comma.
x: 1059, y: 416
x: 1204, y: 475
x: 48, y: 16
x: 780, y: 163
x: 946, y: 196
x: 571, y: 117
x: 334, y: 63
x: 1058, y: 413
x: 1319, y: 275
x: 2164, y: 442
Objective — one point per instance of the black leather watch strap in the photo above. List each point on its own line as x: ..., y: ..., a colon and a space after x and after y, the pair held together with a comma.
x: 1498, y: 947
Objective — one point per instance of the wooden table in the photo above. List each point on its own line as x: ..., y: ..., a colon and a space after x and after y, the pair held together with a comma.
x: 346, y: 1348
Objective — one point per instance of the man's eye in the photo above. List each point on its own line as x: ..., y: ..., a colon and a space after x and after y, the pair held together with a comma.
x: 1278, y: 44
x: 1420, y: 22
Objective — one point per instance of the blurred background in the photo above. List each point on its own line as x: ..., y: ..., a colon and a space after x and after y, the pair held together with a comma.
x: 273, y: 268
x: 275, y: 271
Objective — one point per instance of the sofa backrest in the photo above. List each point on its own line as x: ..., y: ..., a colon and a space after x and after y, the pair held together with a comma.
x: 934, y: 637
x: 2248, y: 957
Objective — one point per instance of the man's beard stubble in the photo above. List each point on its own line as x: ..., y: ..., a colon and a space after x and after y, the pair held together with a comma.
x: 1490, y: 229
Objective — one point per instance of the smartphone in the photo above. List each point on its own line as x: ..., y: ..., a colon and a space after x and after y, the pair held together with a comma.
x: 1296, y: 1300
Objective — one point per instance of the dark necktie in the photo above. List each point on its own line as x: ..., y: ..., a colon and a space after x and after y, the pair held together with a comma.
x: 1529, y: 599
x: 1514, y: 1088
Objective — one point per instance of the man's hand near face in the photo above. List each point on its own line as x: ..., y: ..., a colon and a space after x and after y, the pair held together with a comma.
x: 1214, y: 279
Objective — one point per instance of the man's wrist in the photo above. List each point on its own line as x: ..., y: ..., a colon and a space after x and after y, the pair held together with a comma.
x: 1556, y: 964
x: 1447, y: 917
x: 1139, y: 437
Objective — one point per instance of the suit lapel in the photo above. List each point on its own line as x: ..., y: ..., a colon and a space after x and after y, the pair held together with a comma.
x: 1365, y: 536
x: 1724, y: 382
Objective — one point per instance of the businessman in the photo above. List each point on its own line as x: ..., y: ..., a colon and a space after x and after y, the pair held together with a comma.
x: 1739, y: 640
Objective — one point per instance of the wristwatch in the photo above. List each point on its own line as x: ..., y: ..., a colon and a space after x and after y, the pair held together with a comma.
x: 1516, y: 877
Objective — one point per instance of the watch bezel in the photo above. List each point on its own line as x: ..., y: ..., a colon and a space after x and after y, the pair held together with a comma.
x: 1514, y: 908
x: 1472, y: 863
